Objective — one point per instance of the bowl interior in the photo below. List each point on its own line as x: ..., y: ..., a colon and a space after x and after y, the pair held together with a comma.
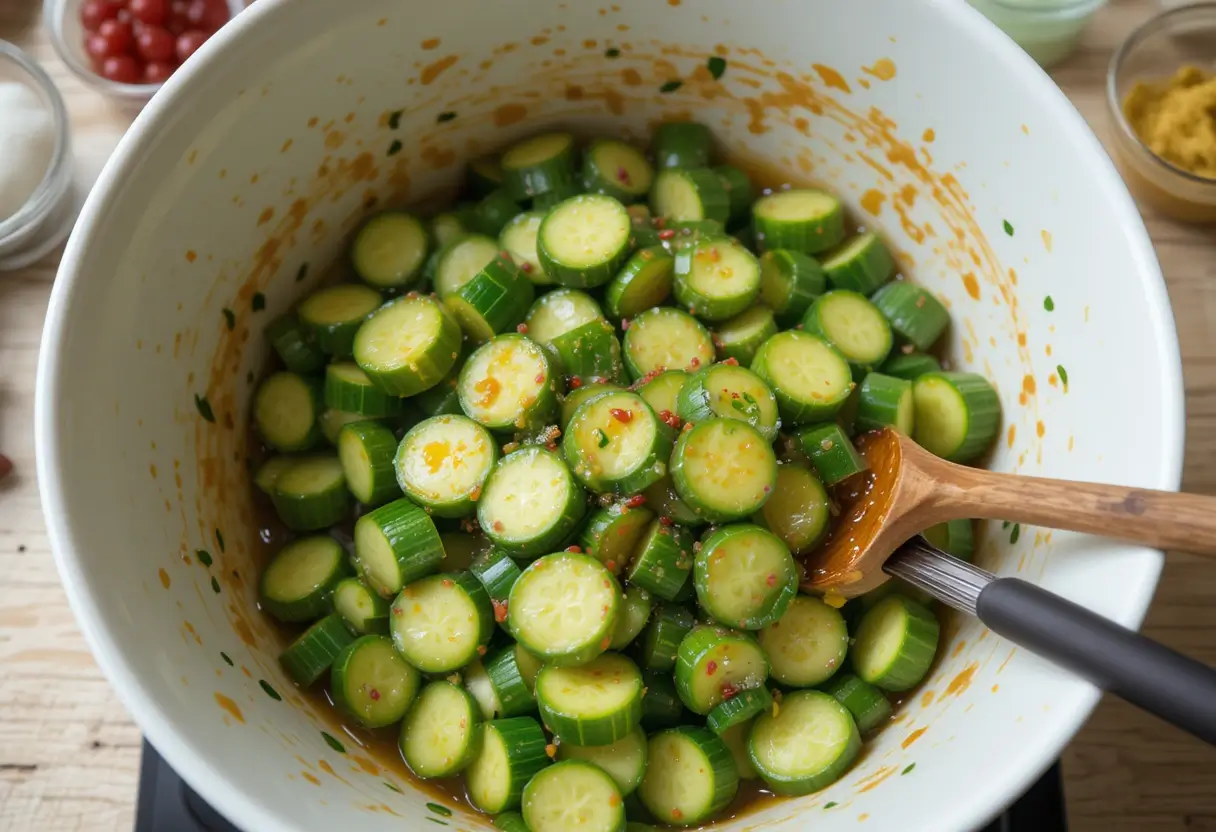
x: 234, y: 191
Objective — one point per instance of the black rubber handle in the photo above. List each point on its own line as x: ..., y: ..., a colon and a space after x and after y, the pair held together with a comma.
x: 1177, y: 689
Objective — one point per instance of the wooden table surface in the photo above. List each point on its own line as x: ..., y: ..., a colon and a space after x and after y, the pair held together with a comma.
x: 69, y: 754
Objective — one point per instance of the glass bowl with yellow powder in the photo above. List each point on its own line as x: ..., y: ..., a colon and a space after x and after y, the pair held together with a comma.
x: 1161, y: 92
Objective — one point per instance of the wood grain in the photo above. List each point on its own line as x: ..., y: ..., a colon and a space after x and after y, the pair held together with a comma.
x: 69, y: 755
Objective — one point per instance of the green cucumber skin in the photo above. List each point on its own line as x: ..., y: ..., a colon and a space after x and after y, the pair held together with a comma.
x: 456, y: 508
x: 511, y: 822
x: 599, y: 181
x: 715, y: 202
x: 686, y: 488
x: 590, y: 353
x: 616, y: 808
x: 538, y: 413
x: 497, y: 573
x: 552, y: 174
x: 491, y: 214
x: 366, y: 400
x: 596, y: 537
x: 308, y: 657
x: 866, y: 272
x: 702, y: 306
x: 693, y: 647
x: 915, y: 315
x: 661, y: 705
x: 380, y: 445
x: 316, y: 397
x: 916, y: 652
x: 693, y: 401
x: 509, y: 686
x: 315, y: 605
x: 660, y: 644
x: 832, y: 453
x: 500, y: 295
x: 739, y: 708
x: 483, y: 175
x: 795, y: 411
x: 721, y: 766
x: 813, y: 322
x: 743, y: 350
x: 432, y: 366
x: 402, y: 523
x: 377, y: 622
x: 552, y: 538
x: 312, y: 512
x: 636, y: 606
x: 663, y: 560
x: 398, y: 281
x: 681, y: 145
x: 339, y: 683
x: 954, y: 537
x: 525, y: 741
x: 983, y: 413
x: 868, y: 705
x: 295, y: 346
x: 582, y: 277
x: 483, y: 622
x: 807, y: 282
x: 807, y: 236
x: 738, y: 189
x: 649, y: 273
x: 880, y: 403
x: 793, y: 785
x: 770, y: 608
x: 910, y: 366
x: 336, y: 339
x: 587, y: 652
x: 587, y: 731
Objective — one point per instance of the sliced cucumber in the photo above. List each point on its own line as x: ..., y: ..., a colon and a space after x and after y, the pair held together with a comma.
x: 365, y: 451
x: 741, y: 336
x: 395, y: 545
x: 334, y: 314
x: 460, y: 550
x: 623, y: 760
x: 616, y: 169
x: 295, y: 345
x: 852, y: 325
x: 661, y: 639
x: 636, y: 605
x: 408, y: 345
x: 808, y: 745
x: 389, y: 250
x: 511, y: 822
x: 910, y: 365
x: 789, y: 283
x: 716, y: 279
x: 614, y: 444
x: 661, y: 705
x: 518, y: 239
x: 509, y: 384
x: 298, y: 582
x: 799, y: 511
x: 583, y: 240
x: 444, y: 397
x: 580, y: 393
x: 745, y: 576
x: 740, y: 708
x: 492, y: 213
x: 801, y: 219
x: 885, y: 401
x: 680, y: 144
x: 665, y: 502
x: 511, y: 752
x: 443, y: 462
x: 867, y: 704
x: 690, y: 776
x: 362, y: 609
x: 714, y: 663
x: 497, y: 573
x: 811, y: 378
x: 538, y: 165
x: 493, y: 301
x: 591, y: 353
x: 460, y: 261
x: 444, y: 228
x: 612, y: 534
x: 895, y: 644
x: 915, y: 315
x: 666, y: 339
x: 285, y: 410
x: 564, y: 608
x: 559, y: 312
x: 529, y: 666
x: 861, y: 264
x: 311, y: 655
x: 808, y: 645
x: 371, y: 683
x: 831, y: 452
x: 954, y: 537
x: 662, y: 391
x: 531, y: 503
x: 643, y: 283
x: 511, y: 690
x: 269, y: 471
x: 662, y: 560
x: 689, y: 194
x: 735, y: 739
x: 678, y: 237
x: 729, y: 391
x: 331, y: 423
x: 484, y: 175
x: 441, y: 732
x: 597, y: 703
x: 573, y: 794
x: 723, y: 469
x: 738, y: 189
x: 546, y: 202
x: 439, y: 622
x: 347, y: 388
x: 312, y: 493
x: 957, y: 414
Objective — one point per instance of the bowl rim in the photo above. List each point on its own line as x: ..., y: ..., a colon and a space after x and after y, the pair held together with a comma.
x: 238, y: 801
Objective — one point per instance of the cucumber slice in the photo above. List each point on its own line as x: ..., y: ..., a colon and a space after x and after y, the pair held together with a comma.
x: 477, y: 683
x: 643, y: 283
x: 365, y: 451
x: 954, y: 537
x: 716, y: 279
x: 512, y: 751
x: 295, y: 345
x: 915, y: 315
x: 538, y: 165
x: 312, y: 654
x: 665, y: 502
x: 484, y: 175
x: 741, y: 336
x: 497, y: 573
x: 663, y: 390
x: 680, y: 144
x: 578, y: 394
x: 867, y: 704
x: 635, y: 612
x: 440, y: 734
x: 559, y: 312
x: 285, y: 410
x: 444, y: 397
x: 371, y: 683
x: 512, y: 692
x: 735, y: 739
x: 723, y: 469
x: 590, y: 353
x: 802, y: 219
x: 395, y: 545
x: 518, y: 239
x: 363, y: 610
x: 885, y: 401
x: 624, y: 760
x: 509, y: 384
x: 492, y: 213
x: 661, y: 639
x: 687, y: 235
x: 597, y: 703
x: 459, y: 262
x: 808, y: 645
x: 312, y: 493
x: 614, y: 444
x: 745, y: 576
x: 511, y: 822
x: 546, y: 202
x: 799, y: 511
x: 331, y: 423
x: 583, y: 240
x: 389, y: 250
x: 529, y: 666
x: 443, y: 462
x: 612, y: 534
x: 895, y: 644
x: 333, y: 315
x: 790, y: 281
x: 666, y: 339
x: 269, y: 471
x: 564, y: 608
x: 831, y: 452
x: 298, y: 582
x: 729, y: 391
x: 662, y: 560
x: 910, y: 365
x: 811, y: 378
x: 493, y: 301
x: 531, y: 503
x: 861, y: 264
x: 616, y: 169
x: 573, y: 794
x: 444, y: 228
x: 738, y: 189
x: 347, y: 388
x: 714, y: 663
x: 408, y: 345
x: 957, y: 414
x: 690, y: 776
x: 461, y: 550
x: 661, y: 705
x: 740, y: 708
x: 689, y: 194
x: 808, y: 745
x: 852, y: 325
x: 439, y: 622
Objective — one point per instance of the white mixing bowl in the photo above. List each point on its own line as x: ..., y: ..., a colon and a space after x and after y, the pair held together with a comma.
x: 258, y: 157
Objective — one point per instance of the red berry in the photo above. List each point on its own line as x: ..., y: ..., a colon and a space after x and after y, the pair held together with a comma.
x: 122, y: 69
x: 93, y: 12
x: 154, y: 43
x: 118, y: 35
x: 151, y: 12
x: 188, y: 43
x: 207, y: 15
x: 157, y: 72
x: 96, y: 47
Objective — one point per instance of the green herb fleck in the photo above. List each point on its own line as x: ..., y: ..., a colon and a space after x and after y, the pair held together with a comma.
x: 394, y: 148
x: 716, y: 66
x: 1016, y: 533
x: 271, y: 692
x: 394, y: 119
x: 438, y: 821
x: 225, y: 657
x: 1005, y: 524
x: 439, y: 810
x: 394, y: 788
x: 830, y: 804
x: 259, y: 302
x: 1063, y: 375
x: 448, y: 116
x: 333, y: 743
x: 204, y: 557
x: 1008, y: 228
x: 229, y: 318
x: 1049, y: 304
x: 204, y: 408
x: 749, y: 398
x: 603, y: 438
x: 671, y: 86
x: 612, y: 53
x: 301, y: 272
x: 219, y: 538
x: 738, y: 405
x: 908, y: 769
x: 215, y: 585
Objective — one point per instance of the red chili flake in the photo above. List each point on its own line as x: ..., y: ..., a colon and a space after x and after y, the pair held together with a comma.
x: 687, y: 426
x: 635, y: 501
x: 729, y: 691
x: 575, y: 383
x: 522, y: 329
x: 624, y: 324
x: 670, y: 419
x: 731, y: 362
x: 578, y: 550
x: 733, y: 395
x: 500, y: 610
x: 677, y: 814
x: 622, y: 175
x: 696, y: 362
x: 605, y: 643
x: 411, y: 295
x: 525, y: 267
x: 624, y: 416
x: 504, y: 254
x: 771, y: 580
x: 551, y: 750
x: 551, y: 446
x: 767, y: 489
x: 611, y: 565
x: 666, y: 234
x: 475, y: 494
x: 481, y: 649
x: 665, y: 521
x: 496, y: 525
x: 659, y: 222
x: 374, y: 694
x: 540, y: 378
x: 447, y: 583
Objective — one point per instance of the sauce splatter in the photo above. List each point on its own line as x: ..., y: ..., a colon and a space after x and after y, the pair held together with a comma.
x: 971, y: 285
x: 961, y: 682
x: 1013, y: 431
x: 872, y: 781
x: 913, y: 737
x: 883, y: 69
x: 832, y: 78
x: 430, y: 43
x: 191, y: 256
x: 311, y: 778
x: 928, y: 135
x: 508, y: 114
x: 1040, y: 428
x: 433, y: 71
x: 228, y: 705
x: 872, y: 201
x: 164, y: 578
x: 1046, y: 235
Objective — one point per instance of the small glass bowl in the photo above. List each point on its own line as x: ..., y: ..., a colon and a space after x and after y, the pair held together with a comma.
x: 1048, y: 30
x: 47, y: 216
x: 62, y: 19
x: 1182, y: 36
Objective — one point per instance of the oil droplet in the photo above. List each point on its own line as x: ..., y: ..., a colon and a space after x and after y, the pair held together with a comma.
x: 229, y: 706
x: 1046, y: 239
x: 928, y: 135
x: 1028, y: 384
x: 164, y: 578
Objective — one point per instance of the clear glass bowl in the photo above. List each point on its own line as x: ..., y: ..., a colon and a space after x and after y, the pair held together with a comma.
x: 1179, y: 37
x: 62, y: 20
x: 1048, y: 30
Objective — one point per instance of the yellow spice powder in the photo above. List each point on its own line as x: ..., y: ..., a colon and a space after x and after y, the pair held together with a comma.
x: 1176, y: 119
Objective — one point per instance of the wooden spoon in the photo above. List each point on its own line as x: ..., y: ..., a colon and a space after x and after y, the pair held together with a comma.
x: 909, y: 489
